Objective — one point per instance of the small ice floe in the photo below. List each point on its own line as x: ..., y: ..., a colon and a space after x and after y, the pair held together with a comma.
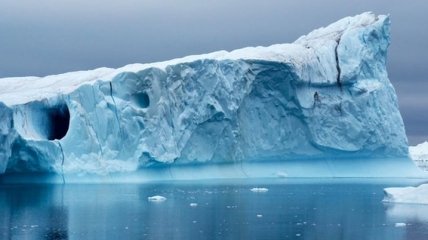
x: 157, y: 198
x: 259, y: 215
x: 259, y: 190
x: 400, y: 224
x: 193, y: 204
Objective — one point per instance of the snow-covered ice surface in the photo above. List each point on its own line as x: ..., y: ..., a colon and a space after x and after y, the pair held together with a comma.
x: 414, y: 195
x: 324, y: 98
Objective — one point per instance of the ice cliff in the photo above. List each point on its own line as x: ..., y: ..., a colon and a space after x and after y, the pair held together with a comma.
x: 327, y: 95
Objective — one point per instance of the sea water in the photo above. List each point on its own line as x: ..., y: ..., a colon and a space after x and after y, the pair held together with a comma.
x: 286, y: 209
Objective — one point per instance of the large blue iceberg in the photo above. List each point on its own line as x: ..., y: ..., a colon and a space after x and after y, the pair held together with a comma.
x: 325, y: 96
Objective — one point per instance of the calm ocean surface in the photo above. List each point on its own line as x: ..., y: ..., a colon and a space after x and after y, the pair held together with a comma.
x: 290, y: 209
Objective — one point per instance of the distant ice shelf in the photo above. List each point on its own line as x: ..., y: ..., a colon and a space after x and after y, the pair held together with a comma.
x: 324, y: 99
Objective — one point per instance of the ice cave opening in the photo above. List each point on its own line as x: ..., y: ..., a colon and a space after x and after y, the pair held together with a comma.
x: 42, y: 120
x: 142, y: 99
x: 58, y: 120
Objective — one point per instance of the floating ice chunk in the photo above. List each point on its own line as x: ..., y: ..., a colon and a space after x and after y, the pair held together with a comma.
x: 400, y: 224
x: 415, y: 195
x: 259, y: 215
x: 157, y: 198
x: 193, y: 204
x: 259, y: 190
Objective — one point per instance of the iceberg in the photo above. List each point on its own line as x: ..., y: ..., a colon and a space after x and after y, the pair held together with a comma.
x: 324, y: 97
x: 419, y: 154
x: 412, y: 195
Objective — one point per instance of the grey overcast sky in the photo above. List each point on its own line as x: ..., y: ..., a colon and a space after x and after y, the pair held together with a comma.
x: 49, y: 36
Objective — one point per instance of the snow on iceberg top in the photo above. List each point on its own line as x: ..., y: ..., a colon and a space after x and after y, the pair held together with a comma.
x: 19, y: 90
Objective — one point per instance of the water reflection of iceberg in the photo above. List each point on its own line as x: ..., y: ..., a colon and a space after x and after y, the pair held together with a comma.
x: 33, y: 212
x: 407, y: 212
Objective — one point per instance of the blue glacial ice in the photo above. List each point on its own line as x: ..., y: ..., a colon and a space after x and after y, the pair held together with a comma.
x: 324, y: 97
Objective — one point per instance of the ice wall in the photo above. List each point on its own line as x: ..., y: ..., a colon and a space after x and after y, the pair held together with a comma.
x: 325, y: 96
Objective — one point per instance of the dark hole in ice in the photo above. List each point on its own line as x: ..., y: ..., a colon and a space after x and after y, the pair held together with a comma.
x: 142, y: 99
x: 59, y: 119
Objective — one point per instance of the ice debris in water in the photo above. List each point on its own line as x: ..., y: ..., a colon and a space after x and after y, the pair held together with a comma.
x: 259, y: 190
x: 400, y: 224
x: 157, y: 198
x: 193, y: 204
